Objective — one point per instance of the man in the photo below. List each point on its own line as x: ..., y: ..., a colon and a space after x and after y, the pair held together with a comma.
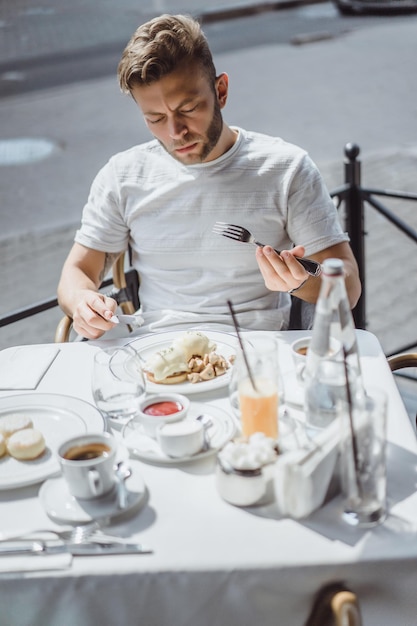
x: 163, y: 198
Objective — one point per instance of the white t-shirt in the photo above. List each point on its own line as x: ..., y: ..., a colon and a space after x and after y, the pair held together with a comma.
x: 166, y: 211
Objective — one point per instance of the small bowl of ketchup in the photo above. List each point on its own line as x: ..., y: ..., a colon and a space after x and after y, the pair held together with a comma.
x: 161, y: 408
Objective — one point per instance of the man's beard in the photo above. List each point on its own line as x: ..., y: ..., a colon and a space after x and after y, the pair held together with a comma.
x: 209, y: 142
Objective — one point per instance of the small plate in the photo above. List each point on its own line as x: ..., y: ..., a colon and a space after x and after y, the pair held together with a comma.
x: 145, y: 448
x: 147, y: 345
x: 61, y: 506
x: 58, y: 418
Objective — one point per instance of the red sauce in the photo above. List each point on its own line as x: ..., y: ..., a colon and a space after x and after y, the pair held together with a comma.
x: 163, y: 408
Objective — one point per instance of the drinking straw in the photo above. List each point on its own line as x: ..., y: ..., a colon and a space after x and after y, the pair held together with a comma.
x: 352, y: 429
x: 241, y: 344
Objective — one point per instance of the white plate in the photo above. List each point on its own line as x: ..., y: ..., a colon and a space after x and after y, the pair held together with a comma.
x: 149, y: 344
x: 145, y: 448
x: 58, y: 418
x: 61, y: 506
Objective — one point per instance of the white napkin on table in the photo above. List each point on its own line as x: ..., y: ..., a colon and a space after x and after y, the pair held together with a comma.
x: 302, y: 477
x: 35, y: 562
x: 23, y: 367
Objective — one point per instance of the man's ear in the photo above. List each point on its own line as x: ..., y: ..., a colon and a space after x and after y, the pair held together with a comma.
x: 222, y: 88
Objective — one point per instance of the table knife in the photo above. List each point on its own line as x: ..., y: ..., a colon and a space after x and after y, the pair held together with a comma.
x: 132, y: 320
x: 20, y: 548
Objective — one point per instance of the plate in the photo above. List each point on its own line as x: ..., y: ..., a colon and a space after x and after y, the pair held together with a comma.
x: 61, y: 506
x: 58, y: 418
x: 149, y: 344
x: 145, y: 448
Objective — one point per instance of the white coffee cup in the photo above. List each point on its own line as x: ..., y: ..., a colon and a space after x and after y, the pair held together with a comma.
x: 88, y: 464
x: 182, y: 438
x: 299, y: 350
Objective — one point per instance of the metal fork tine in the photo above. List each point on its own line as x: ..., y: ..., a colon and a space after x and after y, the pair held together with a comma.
x: 234, y: 236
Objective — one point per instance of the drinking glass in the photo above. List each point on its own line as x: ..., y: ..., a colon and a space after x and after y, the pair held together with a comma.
x: 255, y: 396
x: 118, y: 382
x: 363, y: 463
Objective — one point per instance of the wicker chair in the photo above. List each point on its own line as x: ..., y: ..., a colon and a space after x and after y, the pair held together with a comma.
x: 335, y: 605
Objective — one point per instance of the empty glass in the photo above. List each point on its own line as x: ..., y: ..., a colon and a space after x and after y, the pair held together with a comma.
x: 118, y: 382
x: 363, y: 462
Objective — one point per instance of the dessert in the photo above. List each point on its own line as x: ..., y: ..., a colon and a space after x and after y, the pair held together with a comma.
x: 14, y: 422
x: 2, y: 446
x: 26, y: 444
x: 191, y: 356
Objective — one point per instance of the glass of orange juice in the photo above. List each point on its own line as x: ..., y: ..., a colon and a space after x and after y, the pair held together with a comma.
x: 258, y: 394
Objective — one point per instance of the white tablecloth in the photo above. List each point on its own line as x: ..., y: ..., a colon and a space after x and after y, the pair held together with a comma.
x: 216, y: 564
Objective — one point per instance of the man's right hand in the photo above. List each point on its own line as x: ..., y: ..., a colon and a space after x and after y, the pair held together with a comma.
x: 92, y: 314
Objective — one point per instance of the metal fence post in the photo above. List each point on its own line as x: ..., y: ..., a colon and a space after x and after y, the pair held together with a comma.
x: 354, y: 222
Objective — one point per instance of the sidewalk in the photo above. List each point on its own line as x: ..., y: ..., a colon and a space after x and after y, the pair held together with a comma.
x: 58, y: 27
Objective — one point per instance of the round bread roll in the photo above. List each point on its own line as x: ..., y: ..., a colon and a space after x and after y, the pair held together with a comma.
x: 180, y: 377
x: 10, y: 424
x: 26, y: 445
x: 2, y: 446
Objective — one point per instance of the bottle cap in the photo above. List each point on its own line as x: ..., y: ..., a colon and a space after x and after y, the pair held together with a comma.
x: 333, y: 267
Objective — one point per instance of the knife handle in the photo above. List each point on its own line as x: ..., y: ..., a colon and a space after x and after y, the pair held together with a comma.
x: 21, y: 547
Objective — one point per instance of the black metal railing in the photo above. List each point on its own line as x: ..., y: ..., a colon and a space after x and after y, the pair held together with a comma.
x: 354, y: 196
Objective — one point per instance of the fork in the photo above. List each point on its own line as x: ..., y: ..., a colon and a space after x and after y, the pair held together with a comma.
x: 77, y: 534
x: 239, y: 233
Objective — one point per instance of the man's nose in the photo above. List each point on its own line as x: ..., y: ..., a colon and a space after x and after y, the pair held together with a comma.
x: 177, y: 128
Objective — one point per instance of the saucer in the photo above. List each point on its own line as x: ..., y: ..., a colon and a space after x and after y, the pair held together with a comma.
x: 145, y: 448
x: 61, y: 506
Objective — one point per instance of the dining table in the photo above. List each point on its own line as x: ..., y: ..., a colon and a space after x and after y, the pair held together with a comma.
x: 212, y: 563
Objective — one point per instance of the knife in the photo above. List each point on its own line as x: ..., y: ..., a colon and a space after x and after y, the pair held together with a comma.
x: 132, y: 320
x: 19, y: 548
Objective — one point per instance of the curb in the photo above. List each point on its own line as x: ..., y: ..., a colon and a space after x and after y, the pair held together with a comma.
x: 241, y: 10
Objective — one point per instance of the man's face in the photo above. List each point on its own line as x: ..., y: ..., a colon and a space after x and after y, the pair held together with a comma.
x: 182, y: 111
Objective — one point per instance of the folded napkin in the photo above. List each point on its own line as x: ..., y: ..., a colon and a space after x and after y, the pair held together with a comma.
x: 23, y: 367
x: 302, y: 477
x: 35, y: 562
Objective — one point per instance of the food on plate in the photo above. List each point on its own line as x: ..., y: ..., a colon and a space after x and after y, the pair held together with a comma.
x: 2, y: 446
x: 191, y: 356
x: 14, y: 422
x: 26, y: 444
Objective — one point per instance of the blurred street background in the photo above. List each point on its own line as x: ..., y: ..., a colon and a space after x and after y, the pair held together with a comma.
x: 299, y: 70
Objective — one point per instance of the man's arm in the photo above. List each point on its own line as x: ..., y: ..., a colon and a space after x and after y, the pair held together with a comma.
x: 82, y: 274
x: 283, y: 272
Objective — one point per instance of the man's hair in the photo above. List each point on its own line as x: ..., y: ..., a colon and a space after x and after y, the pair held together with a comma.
x: 158, y: 47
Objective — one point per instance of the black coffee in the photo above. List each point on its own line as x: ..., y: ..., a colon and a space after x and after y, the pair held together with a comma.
x: 87, y: 451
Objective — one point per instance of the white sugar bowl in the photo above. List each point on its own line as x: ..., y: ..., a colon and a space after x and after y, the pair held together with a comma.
x: 241, y: 476
x: 239, y: 487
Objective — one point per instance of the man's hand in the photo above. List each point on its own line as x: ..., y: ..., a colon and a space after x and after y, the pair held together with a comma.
x: 281, y: 272
x: 92, y: 313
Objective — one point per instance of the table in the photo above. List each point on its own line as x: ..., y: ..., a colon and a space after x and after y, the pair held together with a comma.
x: 216, y: 564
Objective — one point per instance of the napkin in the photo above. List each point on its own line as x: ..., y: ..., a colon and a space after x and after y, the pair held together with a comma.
x: 302, y: 477
x: 23, y: 367
x: 35, y: 562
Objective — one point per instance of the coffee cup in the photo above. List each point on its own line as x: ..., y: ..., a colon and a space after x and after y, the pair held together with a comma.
x: 88, y: 465
x: 299, y: 349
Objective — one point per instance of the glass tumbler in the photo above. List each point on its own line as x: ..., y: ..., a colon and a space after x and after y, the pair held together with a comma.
x: 363, y: 461
x: 118, y: 382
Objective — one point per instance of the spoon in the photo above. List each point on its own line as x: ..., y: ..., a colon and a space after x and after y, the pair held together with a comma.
x: 207, y: 422
x: 123, y: 472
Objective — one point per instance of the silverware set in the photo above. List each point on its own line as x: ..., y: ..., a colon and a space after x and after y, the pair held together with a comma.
x: 239, y: 233
x: 83, y: 540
